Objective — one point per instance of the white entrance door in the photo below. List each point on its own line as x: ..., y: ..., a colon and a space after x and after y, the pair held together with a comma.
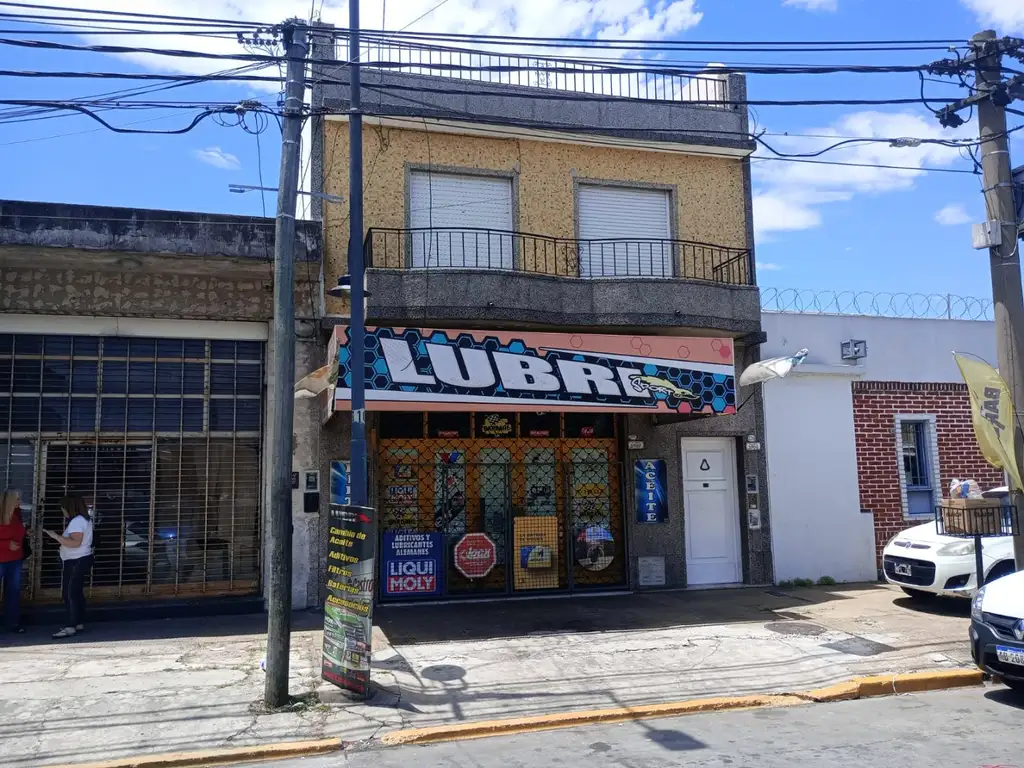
x: 711, y: 506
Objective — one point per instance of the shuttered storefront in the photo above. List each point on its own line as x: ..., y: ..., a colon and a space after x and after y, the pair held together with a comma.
x: 162, y: 437
x: 461, y: 221
x: 627, y: 232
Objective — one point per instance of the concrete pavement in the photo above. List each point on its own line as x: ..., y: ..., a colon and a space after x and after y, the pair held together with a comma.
x: 973, y: 728
x: 184, y: 685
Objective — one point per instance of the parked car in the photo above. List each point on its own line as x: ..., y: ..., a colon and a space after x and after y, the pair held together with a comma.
x: 997, y: 629
x: 924, y: 563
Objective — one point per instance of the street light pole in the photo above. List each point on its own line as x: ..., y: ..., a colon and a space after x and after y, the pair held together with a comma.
x: 356, y: 268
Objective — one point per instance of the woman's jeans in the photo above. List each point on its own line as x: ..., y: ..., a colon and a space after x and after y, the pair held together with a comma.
x: 11, y: 575
x: 76, y: 573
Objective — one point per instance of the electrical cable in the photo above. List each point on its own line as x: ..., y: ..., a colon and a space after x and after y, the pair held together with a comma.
x: 563, y: 42
x: 133, y: 14
x: 85, y: 111
x: 504, y: 133
x: 569, y: 127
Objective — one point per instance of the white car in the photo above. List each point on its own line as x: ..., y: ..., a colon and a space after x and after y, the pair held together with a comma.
x: 997, y: 630
x: 924, y: 563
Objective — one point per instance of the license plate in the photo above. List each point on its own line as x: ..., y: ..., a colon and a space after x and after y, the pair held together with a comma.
x: 1010, y: 655
x: 903, y: 569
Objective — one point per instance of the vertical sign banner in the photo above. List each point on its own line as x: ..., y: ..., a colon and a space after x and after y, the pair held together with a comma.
x: 411, y: 564
x: 649, y: 481
x: 348, y: 613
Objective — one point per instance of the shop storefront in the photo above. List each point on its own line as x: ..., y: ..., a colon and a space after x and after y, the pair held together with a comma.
x: 162, y: 438
x: 497, y: 459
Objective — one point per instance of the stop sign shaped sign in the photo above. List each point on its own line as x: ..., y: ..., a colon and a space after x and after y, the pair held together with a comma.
x: 475, y: 555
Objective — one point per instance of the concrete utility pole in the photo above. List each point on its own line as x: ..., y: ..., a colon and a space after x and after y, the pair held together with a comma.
x: 279, y: 576
x: 1007, y: 294
x: 356, y: 268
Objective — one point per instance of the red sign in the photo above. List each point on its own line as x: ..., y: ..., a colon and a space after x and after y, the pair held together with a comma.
x: 475, y: 555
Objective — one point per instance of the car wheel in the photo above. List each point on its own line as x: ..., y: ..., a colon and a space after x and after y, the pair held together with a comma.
x: 999, y: 570
x: 917, y: 594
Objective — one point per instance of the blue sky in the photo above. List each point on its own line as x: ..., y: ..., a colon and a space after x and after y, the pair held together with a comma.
x: 819, y: 227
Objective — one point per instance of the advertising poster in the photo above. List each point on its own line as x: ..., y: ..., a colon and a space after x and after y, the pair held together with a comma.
x: 340, y: 488
x: 649, y: 482
x: 536, y: 542
x: 348, y: 613
x: 411, y: 564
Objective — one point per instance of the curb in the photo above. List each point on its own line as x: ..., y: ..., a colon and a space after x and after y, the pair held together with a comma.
x: 222, y: 756
x: 857, y: 688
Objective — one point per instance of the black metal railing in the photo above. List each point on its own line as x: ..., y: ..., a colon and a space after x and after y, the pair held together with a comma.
x: 643, y: 80
x: 490, y: 249
x: 976, y: 517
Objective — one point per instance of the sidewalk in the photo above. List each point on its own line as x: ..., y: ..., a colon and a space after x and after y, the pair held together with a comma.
x: 151, y: 687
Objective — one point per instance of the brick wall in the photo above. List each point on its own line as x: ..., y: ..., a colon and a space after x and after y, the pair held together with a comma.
x: 875, y: 406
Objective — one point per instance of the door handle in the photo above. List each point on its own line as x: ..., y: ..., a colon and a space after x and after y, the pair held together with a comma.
x: 706, y: 485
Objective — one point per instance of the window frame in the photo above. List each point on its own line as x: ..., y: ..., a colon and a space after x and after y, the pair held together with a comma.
x: 928, y: 442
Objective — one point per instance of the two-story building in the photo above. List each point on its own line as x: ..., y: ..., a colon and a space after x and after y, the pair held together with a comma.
x: 561, y: 296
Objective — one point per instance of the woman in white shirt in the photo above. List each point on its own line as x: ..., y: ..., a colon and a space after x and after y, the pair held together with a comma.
x: 76, y: 555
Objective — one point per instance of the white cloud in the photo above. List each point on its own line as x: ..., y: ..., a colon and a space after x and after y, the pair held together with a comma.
x: 790, y: 195
x: 622, y: 19
x: 218, y: 158
x: 952, y: 215
x: 814, y: 5
x: 767, y: 266
x: 1006, y: 15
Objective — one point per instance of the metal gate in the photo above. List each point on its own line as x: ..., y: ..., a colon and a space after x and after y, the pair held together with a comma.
x: 552, y: 508
x: 162, y: 439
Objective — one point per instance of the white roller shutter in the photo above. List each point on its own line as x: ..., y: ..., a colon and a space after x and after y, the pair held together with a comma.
x: 626, y: 232
x: 446, y: 212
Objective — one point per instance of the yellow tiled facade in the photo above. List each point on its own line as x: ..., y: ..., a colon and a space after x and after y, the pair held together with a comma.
x: 709, y: 190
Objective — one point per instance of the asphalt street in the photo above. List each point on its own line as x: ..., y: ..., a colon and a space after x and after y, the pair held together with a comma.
x: 968, y: 728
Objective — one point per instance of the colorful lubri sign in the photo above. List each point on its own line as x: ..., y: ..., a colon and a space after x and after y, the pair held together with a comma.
x: 456, y: 370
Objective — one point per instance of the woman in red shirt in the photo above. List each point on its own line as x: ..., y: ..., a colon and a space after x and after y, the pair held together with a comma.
x: 12, y: 534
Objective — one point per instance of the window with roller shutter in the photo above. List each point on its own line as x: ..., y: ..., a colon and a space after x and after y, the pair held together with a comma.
x: 460, y: 221
x: 626, y: 232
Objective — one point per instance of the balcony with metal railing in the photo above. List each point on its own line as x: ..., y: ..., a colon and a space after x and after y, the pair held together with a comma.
x: 490, y: 249
x: 467, y: 274
x: 627, y: 98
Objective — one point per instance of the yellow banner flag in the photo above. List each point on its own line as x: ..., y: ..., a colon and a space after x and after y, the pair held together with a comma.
x: 992, y: 413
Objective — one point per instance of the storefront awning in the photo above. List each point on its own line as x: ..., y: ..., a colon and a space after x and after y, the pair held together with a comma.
x: 426, y: 369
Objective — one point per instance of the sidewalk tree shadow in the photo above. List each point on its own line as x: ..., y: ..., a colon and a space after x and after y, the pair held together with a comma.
x: 414, y: 624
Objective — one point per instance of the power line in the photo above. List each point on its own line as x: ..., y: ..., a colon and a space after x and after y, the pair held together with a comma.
x: 925, y: 169
x: 611, y: 143
x: 133, y: 14
x: 564, y: 42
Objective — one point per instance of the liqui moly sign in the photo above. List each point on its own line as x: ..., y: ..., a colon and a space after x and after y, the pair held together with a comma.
x: 410, y: 564
x: 430, y: 369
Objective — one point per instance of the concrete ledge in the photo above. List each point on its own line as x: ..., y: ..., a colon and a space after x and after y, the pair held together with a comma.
x: 223, y: 756
x: 858, y: 688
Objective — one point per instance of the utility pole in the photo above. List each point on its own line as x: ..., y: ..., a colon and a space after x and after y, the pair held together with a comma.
x: 1007, y: 294
x: 283, y: 375
x: 356, y: 268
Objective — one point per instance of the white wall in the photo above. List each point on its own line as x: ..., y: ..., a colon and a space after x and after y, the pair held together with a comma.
x: 817, y: 526
x: 898, y: 349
